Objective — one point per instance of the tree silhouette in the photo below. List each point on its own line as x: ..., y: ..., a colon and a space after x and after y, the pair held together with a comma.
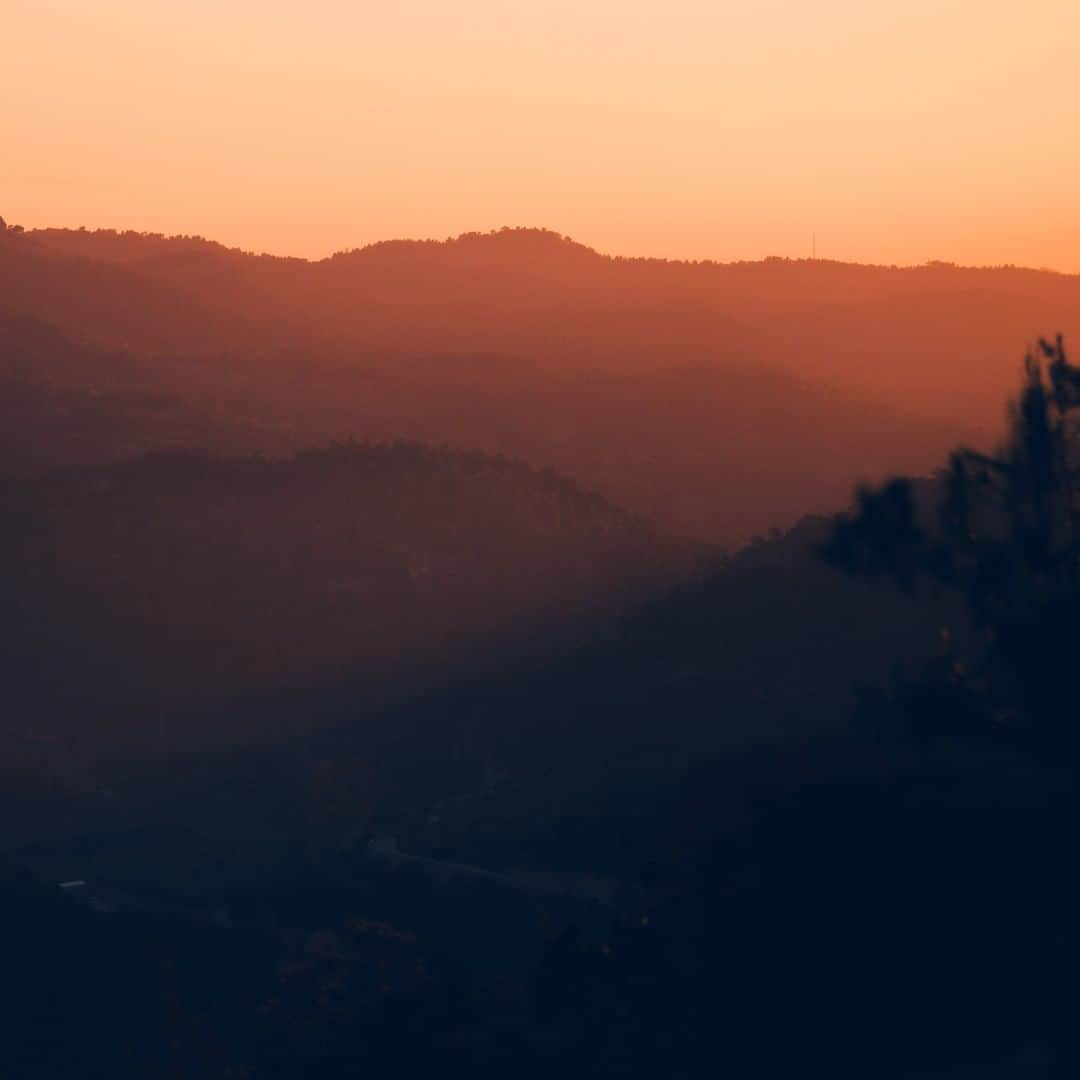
x: 1006, y: 536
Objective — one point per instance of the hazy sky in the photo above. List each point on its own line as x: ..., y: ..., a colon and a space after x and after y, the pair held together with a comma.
x: 899, y: 130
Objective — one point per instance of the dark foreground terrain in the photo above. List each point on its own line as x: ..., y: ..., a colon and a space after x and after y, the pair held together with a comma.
x: 666, y: 845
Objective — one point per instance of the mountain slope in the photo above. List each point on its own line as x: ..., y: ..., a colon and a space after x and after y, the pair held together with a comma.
x: 660, y: 385
x: 917, y: 335
x: 173, y: 583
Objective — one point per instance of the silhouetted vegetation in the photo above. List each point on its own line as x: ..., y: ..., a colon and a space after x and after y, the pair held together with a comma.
x: 1005, y: 535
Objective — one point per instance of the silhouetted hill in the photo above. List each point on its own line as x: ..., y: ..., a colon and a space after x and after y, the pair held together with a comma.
x: 769, y: 648
x: 529, y: 294
x: 64, y: 404
x: 637, y: 377
x: 174, y: 583
x: 549, y: 759
x: 119, y: 306
x: 673, y: 444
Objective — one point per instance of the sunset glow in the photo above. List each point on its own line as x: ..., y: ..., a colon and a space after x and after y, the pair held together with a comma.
x: 898, y: 133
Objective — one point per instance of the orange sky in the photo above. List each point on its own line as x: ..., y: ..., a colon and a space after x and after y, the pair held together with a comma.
x: 899, y: 130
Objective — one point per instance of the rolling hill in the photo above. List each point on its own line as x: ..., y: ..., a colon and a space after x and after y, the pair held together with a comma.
x: 660, y: 385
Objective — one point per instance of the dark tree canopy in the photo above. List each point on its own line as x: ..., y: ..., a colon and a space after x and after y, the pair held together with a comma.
x: 1004, y: 531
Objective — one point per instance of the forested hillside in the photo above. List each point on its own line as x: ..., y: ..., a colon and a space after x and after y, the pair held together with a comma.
x: 175, y: 583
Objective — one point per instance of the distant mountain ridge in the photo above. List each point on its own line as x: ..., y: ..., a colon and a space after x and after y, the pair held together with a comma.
x: 641, y: 378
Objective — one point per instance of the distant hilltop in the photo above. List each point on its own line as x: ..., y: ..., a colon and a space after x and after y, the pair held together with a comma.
x: 507, y: 241
x: 521, y: 240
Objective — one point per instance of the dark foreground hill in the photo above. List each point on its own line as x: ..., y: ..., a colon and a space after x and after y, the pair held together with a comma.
x: 659, y: 843
x: 185, y: 581
x: 665, y: 850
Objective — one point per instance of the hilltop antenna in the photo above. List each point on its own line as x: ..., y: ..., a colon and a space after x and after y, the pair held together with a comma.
x: 813, y: 247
